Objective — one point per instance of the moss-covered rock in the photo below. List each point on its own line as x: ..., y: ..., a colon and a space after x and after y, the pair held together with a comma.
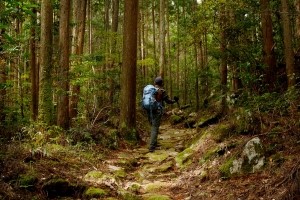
x: 134, y: 187
x: 155, y: 186
x: 93, y: 175
x: 158, y: 156
x: 164, y: 167
x: 221, y: 132
x: 129, y: 196
x: 176, y: 119
x: 120, y: 173
x: 93, y: 192
x: 183, y: 158
x: 156, y: 197
x: 208, y: 155
x: 224, y: 169
x: 251, y: 159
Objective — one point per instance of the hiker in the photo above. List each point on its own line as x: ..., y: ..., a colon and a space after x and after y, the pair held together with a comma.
x: 154, y: 116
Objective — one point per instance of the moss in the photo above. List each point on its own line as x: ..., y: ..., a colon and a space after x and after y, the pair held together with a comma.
x: 135, y: 188
x: 157, y: 197
x: 93, y: 192
x: 222, y: 132
x: 208, y: 155
x: 27, y: 180
x: 165, y: 166
x: 94, y: 175
x: 130, y: 196
x: 225, y: 168
x: 175, y: 119
x: 183, y: 157
x: 120, y: 173
x: 154, y: 187
x: 158, y: 156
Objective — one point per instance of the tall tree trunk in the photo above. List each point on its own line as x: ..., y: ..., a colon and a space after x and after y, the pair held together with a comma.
x: 297, y: 55
x: 223, y: 65
x: 268, y: 44
x: 184, y: 79
x: 3, y: 74
x: 288, y: 48
x: 46, y: 105
x: 169, y: 62
x: 154, y: 33
x: 162, y: 42
x: 80, y: 18
x: 178, y: 48
x: 34, y: 69
x: 114, y: 29
x: 128, y: 75
x: 63, y: 118
x: 89, y: 7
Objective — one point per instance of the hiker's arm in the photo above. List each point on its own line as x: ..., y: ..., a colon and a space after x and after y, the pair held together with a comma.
x: 167, y: 99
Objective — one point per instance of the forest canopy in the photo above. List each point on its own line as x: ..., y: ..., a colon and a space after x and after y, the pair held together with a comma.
x: 61, y: 62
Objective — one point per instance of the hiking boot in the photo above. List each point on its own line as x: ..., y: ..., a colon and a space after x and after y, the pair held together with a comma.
x: 151, y: 150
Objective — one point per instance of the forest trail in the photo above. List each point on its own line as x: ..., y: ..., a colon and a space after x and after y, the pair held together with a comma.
x: 154, y: 175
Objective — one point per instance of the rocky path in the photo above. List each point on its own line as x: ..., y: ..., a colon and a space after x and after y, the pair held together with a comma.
x: 140, y: 174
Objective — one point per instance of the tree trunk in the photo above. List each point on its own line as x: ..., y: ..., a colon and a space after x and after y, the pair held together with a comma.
x: 268, y: 44
x: 46, y: 105
x: 128, y: 74
x: 3, y: 74
x: 288, y: 48
x: 297, y: 55
x: 63, y: 118
x: 162, y: 42
x: 178, y: 49
x: 154, y: 34
x: 80, y: 18
x: 169, y: 61
x: 223, y: 65
x: 34, y: 69
x: 114, y: 29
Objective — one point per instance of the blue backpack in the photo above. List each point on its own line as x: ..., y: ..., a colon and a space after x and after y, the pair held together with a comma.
x: 149, y: 101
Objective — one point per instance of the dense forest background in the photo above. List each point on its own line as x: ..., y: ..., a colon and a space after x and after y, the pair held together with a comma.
x: 71, y: 81
x: 65, y: 62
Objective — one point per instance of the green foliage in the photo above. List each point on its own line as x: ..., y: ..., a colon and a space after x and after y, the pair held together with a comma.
x: 146, y: 62
x: 39, y: 134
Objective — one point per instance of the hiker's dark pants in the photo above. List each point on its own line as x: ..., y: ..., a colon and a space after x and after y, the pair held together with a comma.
x: 154, y: 119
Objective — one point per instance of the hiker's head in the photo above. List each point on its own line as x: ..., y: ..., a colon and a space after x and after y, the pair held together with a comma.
x: 158, y: 81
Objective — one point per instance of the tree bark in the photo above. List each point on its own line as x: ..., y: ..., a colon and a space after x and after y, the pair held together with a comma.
x: 34, y: 69
x: 268, y: 44
x: 297, y: 55
x: 223, y: 65
x: 288, y: 48
x: 154, y: 33
x: 128, y: 74
x: 63, y: 117
x: 114, y: 29
x: 3, y: 74
x: 46, y: 104
x: 162, y: 42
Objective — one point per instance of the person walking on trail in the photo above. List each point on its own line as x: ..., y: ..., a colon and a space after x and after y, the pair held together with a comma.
x: 154, y: 116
